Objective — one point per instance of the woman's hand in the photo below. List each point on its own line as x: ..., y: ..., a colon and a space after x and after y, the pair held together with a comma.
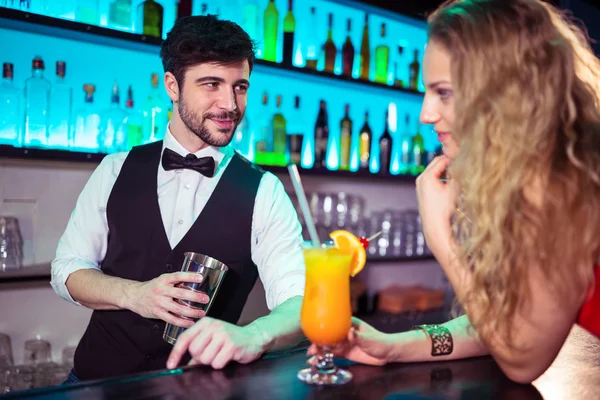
x: 437, y: 202
x: 364, y: 344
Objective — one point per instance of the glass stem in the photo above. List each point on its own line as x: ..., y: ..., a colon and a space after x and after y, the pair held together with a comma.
x: 323, y: 363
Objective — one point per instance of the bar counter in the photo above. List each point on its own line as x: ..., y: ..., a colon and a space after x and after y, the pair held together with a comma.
x: 574, y: 375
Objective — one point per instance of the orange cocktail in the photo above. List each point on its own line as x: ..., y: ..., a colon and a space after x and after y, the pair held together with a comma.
x: 326, y: 311
x: 326, y: 315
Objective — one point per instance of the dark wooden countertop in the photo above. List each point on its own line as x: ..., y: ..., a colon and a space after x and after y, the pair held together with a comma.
x: 574, y: 375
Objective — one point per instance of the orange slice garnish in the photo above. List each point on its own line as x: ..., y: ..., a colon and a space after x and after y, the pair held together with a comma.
x: 350, y: 244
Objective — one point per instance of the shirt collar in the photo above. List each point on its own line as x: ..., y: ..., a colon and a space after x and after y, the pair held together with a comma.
x: 220, y: 154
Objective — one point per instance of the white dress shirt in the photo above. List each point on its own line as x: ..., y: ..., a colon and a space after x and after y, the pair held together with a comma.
x: 182, y: 194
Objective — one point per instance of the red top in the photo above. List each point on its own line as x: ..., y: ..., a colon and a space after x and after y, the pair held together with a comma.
x: 589, y: 316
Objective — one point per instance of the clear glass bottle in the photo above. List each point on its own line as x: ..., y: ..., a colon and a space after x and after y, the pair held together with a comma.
x: 119, y: 15
x: 63, y: 9
x: 250, y: 18
x: 406, y: 147
x: 242, y: 138
x: 154, y: 113
x: 37, y: 97
x: 88, y: 12
x: 10, y: 120
x: 61, y: 104
x: 87, y: 122
x: 112, y: 131
x: 134, y: 122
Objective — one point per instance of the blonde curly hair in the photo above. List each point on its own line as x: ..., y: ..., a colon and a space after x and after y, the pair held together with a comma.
x: 527, y: 120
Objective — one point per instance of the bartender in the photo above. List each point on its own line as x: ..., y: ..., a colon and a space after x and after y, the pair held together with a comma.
x: 142, y: 210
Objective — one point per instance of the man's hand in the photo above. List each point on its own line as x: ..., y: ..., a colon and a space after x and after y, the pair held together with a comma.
x: 216, y: 343
x: 155, y: 299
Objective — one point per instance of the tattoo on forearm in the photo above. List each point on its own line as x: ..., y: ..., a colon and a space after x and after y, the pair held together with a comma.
x: 441, y: 339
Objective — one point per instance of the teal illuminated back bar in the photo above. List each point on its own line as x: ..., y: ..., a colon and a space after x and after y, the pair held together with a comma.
x: 83, y: 78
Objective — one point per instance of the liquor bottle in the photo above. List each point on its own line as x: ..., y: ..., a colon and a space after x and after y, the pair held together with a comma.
x: 271, y: 24
x: 295, y: 132
x: 154, y: 114
x: 25, y: 5
x: 365, y: 52
x: 385, y: 148
x: 364, y: 147
x: 241, y: 136
x: 87, y: 122
x: 279, y: 130
x: 289, y: 27
x: 58, y: 9
x: 348, y: 52
x: 184, y: 9
x: 418, y: 162
x: 382, y: 59
x: 398, y: 78
x: 345, y: 139
x: 10, y: 120
x: 88, y: 12
x: 414, y: 68
x: 250, y: 19
x: 405, y: 148
x: 330, y: 49
x: 150, y: 19
x: 321, y: 135
x: 37, y: 96
x: 61, y: 103
x: 119, y: 15
x: 312, y: 49
x: 111, y: 134
x: 264, y: 126
x: 134, y: 133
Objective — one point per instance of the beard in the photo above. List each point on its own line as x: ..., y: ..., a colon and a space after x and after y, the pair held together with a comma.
x: 197, y: 124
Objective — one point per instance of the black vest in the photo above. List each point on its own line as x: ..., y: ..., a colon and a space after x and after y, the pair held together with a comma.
x: 122, y: 342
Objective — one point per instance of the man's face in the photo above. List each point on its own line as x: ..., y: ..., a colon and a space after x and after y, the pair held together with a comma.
x: 212, y: 100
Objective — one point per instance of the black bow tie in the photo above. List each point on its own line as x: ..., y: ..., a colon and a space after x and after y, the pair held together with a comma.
x: 204, y: 165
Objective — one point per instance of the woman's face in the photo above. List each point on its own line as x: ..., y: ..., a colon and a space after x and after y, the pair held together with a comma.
x: 438, y: 104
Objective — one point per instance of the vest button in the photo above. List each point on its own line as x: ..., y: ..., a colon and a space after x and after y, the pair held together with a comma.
x: 150, y: 358
x: 169, y: 267
x: 156, y: 328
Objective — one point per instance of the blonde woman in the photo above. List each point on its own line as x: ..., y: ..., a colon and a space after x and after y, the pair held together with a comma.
x: 513, y: 93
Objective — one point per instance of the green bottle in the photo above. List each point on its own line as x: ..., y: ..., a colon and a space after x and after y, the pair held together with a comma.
x: 279, y: 130
x: 382, y: 59
x: 271, y: 21
x: 150, y: 18
x: 418, y: 164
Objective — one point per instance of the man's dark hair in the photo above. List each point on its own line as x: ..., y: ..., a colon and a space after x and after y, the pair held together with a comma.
x: 203, y: 39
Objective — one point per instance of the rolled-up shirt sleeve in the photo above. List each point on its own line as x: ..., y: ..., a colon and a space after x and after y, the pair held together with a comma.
x: 277, y: 243
x: 84, y: 242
